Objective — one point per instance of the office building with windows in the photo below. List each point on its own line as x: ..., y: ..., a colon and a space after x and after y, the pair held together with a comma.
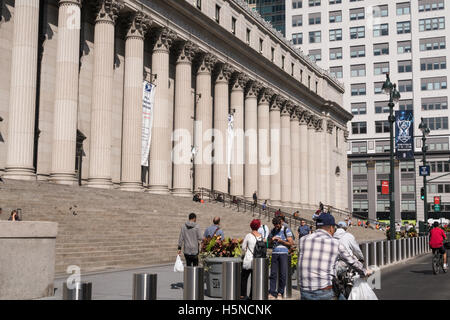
x: 360, y: 41
x: 272, y: 11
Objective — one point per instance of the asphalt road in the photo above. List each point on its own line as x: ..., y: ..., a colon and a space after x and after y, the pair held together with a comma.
x: 413, y: 280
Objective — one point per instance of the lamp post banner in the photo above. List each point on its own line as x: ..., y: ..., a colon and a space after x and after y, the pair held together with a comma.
x: 404, y: 134
x: 148, y: 100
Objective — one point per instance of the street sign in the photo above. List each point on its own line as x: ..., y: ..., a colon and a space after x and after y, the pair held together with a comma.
x: 384, y: 187
x: 424, y: 170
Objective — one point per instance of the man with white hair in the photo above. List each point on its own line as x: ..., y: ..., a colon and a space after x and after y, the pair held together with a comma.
x: 348, y: 240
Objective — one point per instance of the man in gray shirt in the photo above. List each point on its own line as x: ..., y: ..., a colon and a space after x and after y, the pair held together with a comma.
x: 190, y: 236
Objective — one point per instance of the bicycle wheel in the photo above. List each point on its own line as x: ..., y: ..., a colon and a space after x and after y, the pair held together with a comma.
x: 435, y: 264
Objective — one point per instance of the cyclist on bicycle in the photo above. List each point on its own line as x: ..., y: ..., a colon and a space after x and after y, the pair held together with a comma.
x: 437, y: 236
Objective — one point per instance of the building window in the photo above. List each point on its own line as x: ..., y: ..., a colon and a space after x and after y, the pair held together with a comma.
x: 358, y: 89
x: 336, y: 35
x: 432, y: 24
x: 359, y: 147
x: 437, y: 123
x: 335, y: 1
x: 336, y: 72
x: 357, y: 33
x: 358, y: 70
x: 314, y: 3
x: 436, y: 146
x: 272, y: 54
x: 382, y: 147
x: 404, y: 66
x: 381, y: 107
x: 357, y: 14
x: 403, y: 8
x: 247, y: 37
x: 435, y: 103
x: 436, y: 83
x: 380, y: 49
x: 359, y: 108
x: 335, y: 16
x: 405, y: 86
x: 380, y: 68
x: 360, y: 189
x: 335, y: 53
x: 314, y: 18
x: 360, y: 205
x: 382, y: 205
x: 382, y: 167
x: 261, y: 45
x: 403, y: 27
x: 436, y: 43
x: 315, y: 55
x: 296, y: 4
x: 297, y: 38
x: 439, y: 166
x: 292, y: 69
x: 407, y: 166
x: 404, y: 46
x: 438, y: 63
x: 359, y: 127
x: 380, y: 30
x: 282, y: 62
x: 233, y: 25
x: 431, y: 5
x: 297, y: 20
x: 217, y: 13
x: 380, y: 11
x: 382, y: 127
x: 405, y: 105
x: 315, y: 37
x: 408, y: 205
x: 359, y: 167
x: 377, y: 87
x: 357, y: 51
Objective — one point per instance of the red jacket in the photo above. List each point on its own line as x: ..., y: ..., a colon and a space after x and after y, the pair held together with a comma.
x: 437, y: 236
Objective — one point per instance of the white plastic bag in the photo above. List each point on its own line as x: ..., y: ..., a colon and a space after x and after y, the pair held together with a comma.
x: 178, y: 267
x: 361, y: 291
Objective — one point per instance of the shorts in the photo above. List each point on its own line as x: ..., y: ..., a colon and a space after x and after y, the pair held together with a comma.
x: 440, y: 250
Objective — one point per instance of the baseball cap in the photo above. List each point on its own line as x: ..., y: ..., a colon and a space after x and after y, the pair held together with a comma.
x: 325, y: 219
x: 342, y: 224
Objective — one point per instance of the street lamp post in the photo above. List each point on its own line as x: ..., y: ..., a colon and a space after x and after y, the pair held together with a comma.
x: 425, y: 132
x: 394, y: 96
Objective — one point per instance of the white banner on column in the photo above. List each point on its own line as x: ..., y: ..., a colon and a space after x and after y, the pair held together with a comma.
x: 148, y: 98
x: 230, y: 138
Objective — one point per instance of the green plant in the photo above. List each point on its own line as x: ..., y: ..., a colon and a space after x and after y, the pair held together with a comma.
x: 216, y: 247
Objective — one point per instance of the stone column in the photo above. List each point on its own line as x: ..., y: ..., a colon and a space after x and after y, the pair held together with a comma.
x: 275, y: 149
x: 265, y: 96
x: 66, y: 92
x: 304, y: 159
x: 203, y: 129
x: 221, y: 96
x: 295, y: 159
x: 286, y: 170
x: 328, y: 150
x: 160, y: 144
x: 184, y: 113
x: 238, y: 82
x: 251, y: 142
x: 132, y: 104
x: 312, y: 147
x: 318, y: 165
x: 101, y: 115
x: 22, y: 99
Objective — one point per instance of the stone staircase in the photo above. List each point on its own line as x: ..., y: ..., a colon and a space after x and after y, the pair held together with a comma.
x: 102, y: 230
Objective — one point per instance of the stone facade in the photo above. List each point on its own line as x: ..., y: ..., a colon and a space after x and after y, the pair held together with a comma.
x: 75, y: 68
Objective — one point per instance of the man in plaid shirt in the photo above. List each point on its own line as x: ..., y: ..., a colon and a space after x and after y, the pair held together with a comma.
x: 319, y: 253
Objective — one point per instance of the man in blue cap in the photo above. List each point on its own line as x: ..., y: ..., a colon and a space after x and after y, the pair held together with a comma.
x: 319, y: 253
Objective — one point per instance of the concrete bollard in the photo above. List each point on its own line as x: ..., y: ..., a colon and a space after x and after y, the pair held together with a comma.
x: 394, y: 256
x: 231, y: 280
x: 387, y: 251
x: 194, y: 283
x: 408, y: 248
x: 399, y: 250
x: 260, y: 279
x: 372, y: 254
x: 365, y: 251
x: 79, y: 291
x: 144, y: 286
x: 404, y: 248
x: 380, y: 253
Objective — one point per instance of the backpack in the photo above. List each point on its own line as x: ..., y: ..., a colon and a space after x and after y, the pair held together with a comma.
x: 260, y: 250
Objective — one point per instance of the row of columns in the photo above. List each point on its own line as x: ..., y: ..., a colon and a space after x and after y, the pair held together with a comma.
x: 286, y: 153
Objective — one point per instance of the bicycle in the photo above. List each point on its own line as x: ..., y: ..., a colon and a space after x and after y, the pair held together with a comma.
x: 437, y: 262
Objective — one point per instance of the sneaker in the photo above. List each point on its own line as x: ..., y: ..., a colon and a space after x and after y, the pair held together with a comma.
x: 271, y: 297
x: 280, y: 296
x: 445, y: 266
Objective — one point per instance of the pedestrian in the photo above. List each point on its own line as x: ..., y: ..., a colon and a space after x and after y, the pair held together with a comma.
x: 14, y: 216
x: 264, y: 231
x: 214, y: 229
x: 281, y: 239
x: 248, y: 247
x: 190, y: 237
x: 318, y: 255
x: 196, y: 197
x: 264, y: 206
x: 278, y: 212
x: 303, y: 229
x: 255, y: 199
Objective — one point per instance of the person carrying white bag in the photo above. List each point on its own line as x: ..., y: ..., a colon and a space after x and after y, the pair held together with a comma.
x: 190, y: 238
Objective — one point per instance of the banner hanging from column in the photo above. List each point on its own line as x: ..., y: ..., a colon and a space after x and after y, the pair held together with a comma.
x: 404, y: 134
x: 230, y: 138
x: 148, y: 99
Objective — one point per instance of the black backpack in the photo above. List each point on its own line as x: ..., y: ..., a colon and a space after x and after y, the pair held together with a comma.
x: 260, y: 250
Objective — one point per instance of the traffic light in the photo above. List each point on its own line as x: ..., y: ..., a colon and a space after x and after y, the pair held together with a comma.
x: 422, y: 193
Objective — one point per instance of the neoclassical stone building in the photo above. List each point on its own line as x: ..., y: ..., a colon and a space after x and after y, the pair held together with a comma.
x: 71, y: 88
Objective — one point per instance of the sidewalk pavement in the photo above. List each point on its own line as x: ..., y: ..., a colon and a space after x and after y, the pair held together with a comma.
x: 118, y: 285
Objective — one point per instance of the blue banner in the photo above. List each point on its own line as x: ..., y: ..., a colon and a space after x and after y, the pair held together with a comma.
x: 404, y: 134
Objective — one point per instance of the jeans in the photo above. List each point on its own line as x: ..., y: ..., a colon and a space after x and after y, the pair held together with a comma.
x: 320, y: 295
x: 279, y: 262
x: 191, y: 260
